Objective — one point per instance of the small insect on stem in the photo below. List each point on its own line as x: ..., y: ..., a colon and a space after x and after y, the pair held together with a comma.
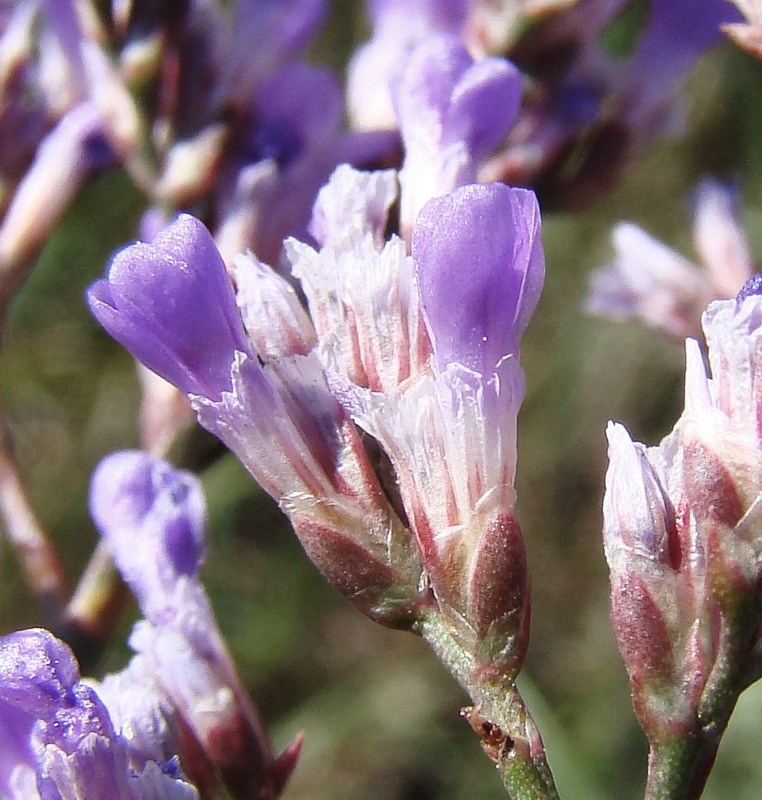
x: 495, y: 743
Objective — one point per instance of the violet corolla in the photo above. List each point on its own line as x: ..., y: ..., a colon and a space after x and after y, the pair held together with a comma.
x: 58, y: 737
x: 452, y: 113
x: 152, y: 517
x: 683, y: 538
x: 397, y: 27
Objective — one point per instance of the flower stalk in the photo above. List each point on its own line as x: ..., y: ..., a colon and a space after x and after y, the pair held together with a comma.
x: 508, y: 733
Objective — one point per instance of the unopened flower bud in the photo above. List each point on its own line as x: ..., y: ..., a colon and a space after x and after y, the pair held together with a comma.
x: 683, y: 535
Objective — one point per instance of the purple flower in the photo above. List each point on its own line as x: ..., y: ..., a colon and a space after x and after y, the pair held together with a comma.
x: 266, y: 34
x: 152, y: 518
x: 277, y: 415
x: 279, y: 156
x: 398, y: 25
x: 450, y: 430
x: 63, y: 739
x: 136, y: 498
x: 676, y: 34
x: 484, y: 240
x: 452, y: 113
x: 667, y: 292
x: 171, y: 304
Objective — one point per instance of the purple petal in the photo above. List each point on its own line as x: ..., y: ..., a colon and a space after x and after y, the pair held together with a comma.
x: 751, y: 287
x: 37, y: 671
x: 434, y: 15
x: 72, y: 738
x: 152, y: 516
x: 171, y: 304
x: 452, y: 113
x: 443, y: 96
x: 480, y: 269
x: 15, y: 731
x: 485, y: 103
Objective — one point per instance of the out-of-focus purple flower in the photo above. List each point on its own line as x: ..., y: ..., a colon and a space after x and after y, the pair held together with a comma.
x: 22, y: 125
x: 152, y: 519
x: 398, y: 26
x: 682, y: 534
x: 71, y: 153
x: 65, y: 741
x: 676, y: 34
x: 171, y: 304
x: 653, y: 282
x: 266, y: 35
x: 452, y: 113
x: 64, y: 117
x: 592, y: 108
x: 279, y: 155
x: 242, y: 127
x: 136, y: 498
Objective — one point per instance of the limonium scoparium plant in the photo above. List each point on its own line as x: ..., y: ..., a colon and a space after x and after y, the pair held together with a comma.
x: 368, y: 375
x: 419, y: 349
x: 683, y: 538
x: 176, y: 719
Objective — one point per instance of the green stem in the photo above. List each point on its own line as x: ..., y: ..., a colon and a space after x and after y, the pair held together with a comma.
x: 678, y: 768
x: 508, y: 732
x: 679, y: 765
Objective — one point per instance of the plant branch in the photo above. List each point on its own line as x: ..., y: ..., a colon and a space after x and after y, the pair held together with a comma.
x: 508, y: 733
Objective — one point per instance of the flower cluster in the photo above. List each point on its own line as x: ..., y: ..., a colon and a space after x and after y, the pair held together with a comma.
x: 342, y: 304
x: 176, y: 717
x: 683, y: 536
x: 385, y: 349
x: 388, y: 345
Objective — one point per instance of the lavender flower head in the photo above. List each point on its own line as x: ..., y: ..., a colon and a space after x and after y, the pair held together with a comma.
x: 420, y: 350
x: 59, y: 736
x: 152, y: 518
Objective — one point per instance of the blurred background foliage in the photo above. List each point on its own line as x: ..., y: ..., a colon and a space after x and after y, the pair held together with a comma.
x: 380, y: 715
